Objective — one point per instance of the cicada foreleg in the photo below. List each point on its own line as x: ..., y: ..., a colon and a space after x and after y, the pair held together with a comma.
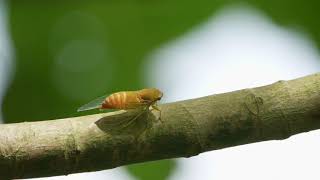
x: 155, y: 107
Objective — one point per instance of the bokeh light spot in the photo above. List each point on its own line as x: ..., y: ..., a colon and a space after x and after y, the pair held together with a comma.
x: 82, y: 70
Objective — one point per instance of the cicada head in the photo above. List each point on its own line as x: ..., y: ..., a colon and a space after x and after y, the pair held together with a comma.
x: 151, y: 94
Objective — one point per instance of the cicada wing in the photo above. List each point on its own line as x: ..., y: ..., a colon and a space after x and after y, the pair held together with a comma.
x: 94, y: 104
x: 138, y: 105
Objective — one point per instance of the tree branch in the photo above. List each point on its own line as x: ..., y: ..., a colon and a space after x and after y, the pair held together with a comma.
x: 103, y: 141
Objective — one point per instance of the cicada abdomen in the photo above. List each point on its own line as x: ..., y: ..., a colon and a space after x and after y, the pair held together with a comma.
x: 122, y: 100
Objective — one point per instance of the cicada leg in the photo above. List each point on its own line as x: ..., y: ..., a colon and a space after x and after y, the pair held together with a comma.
x: 155, y: 107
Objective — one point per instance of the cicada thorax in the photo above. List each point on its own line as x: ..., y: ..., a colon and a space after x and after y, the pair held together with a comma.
x: 122, y: 100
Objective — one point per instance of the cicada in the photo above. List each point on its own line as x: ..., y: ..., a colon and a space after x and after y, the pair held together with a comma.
x: 127, y: 100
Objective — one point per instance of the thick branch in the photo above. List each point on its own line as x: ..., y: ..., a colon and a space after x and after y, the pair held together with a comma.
x: 109, y: 140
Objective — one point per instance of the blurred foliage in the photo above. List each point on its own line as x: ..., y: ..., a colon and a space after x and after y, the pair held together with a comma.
x: 69, y: 52
x: 156, y: 170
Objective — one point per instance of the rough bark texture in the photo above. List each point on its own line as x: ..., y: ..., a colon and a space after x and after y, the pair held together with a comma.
x: 101, y: 141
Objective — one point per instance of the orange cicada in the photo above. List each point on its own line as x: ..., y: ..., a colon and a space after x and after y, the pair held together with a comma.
x: 125, y: 100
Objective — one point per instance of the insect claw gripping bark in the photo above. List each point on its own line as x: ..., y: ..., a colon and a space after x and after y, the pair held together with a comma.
x: 154, y: 107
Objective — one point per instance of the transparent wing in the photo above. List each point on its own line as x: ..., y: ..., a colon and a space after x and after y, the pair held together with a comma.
x: 94, y: 104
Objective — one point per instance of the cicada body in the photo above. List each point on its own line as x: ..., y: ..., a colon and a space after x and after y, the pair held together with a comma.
x: 125, y: 100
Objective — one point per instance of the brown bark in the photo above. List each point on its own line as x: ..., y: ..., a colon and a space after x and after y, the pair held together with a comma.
x: 103, y: 141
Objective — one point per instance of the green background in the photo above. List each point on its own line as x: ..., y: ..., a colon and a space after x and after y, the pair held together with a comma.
x: 45, y: 86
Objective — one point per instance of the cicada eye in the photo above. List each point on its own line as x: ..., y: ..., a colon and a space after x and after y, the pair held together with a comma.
x: 160, y: 96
